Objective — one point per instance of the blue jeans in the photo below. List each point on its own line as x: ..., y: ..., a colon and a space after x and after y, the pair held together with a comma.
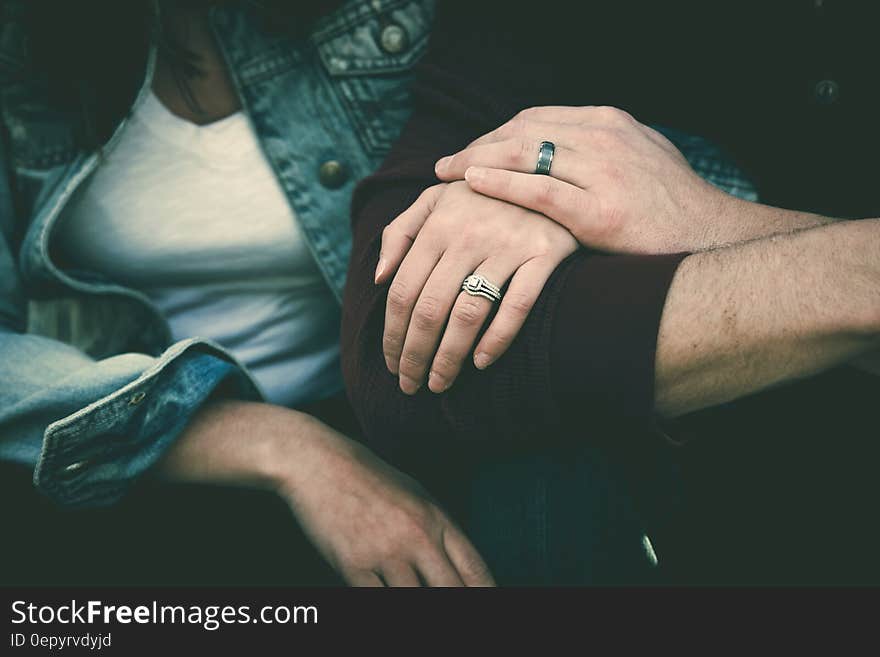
x: 562, y: 515
x: 568, y: 516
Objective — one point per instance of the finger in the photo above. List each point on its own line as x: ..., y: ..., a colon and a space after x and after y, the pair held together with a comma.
x: 403, y: 293
x: 567, y: 204
x: 430, y: 316
x: 437, y: 570
x: 467, y: 561
x: 525, y: 287
x: 399, y: 235
x: 399, y: 574
x: 362, y: 578
x: 518, y: 154
x: 468, y: 316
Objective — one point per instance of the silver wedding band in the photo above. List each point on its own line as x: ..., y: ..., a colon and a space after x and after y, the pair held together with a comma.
x: 478, y: 286
x: 545, y: 158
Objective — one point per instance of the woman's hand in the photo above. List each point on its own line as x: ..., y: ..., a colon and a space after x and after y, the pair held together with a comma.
x: 616, y: 184
x: 449, y: 233
x: 375, y: 525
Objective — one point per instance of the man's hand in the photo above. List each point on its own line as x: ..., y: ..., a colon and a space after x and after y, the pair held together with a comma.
x: 616, y: 184
x: 449, y: 233
x: 375, y: 525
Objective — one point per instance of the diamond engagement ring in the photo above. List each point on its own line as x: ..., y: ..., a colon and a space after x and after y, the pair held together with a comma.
x: 478, y: 286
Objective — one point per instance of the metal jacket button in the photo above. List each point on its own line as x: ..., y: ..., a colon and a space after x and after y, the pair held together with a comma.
x: 827, y: 92
x: 338, y: 65
x: 73, y: 467
x: 394, y: 39
x: 332, y: 174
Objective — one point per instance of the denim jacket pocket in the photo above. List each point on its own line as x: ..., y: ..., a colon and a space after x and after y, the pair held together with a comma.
x: 369, y: 54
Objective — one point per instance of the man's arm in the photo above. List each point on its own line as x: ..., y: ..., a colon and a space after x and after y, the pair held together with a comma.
x: 741, y: 319
x: 770, y: 295
x: 602, y: 311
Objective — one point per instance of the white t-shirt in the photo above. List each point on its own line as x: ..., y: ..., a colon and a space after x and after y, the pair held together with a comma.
x: 194, y: 217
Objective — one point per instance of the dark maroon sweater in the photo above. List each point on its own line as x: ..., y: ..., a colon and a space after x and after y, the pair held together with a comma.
x: 583, y: 364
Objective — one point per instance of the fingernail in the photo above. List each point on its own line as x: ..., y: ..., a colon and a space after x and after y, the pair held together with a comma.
x: 474, y: 174
x: 437, y: 383
x: 482, y: 360
x: 391, y: 365
x: 442, y: 164
x: 408, y: 385
x: 380, y: 269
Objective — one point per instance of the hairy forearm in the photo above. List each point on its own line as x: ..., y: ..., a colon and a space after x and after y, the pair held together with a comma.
x: 734, y: 221
x: 747, y: 317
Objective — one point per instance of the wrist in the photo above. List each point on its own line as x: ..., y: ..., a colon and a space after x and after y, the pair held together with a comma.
x: 727, y: 220
x: 301, y: 450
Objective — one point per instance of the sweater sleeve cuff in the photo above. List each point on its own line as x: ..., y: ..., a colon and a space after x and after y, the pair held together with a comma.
x: 604, y: 337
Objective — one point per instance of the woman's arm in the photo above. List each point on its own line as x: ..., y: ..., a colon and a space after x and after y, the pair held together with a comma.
x: 375, y: 525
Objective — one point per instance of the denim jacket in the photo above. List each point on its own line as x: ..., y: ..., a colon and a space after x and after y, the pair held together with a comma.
x: 92, y: 388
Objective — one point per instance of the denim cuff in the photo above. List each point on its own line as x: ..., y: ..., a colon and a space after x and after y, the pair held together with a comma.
x: 93, y: 457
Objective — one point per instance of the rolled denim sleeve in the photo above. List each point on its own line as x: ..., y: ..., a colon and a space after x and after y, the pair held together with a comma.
x: 90, y: 434
x: 89, y: 427
x: 92, y: 457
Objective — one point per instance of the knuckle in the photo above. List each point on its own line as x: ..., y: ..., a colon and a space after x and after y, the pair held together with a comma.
x: 430, y: 195
x: 624, y: 117
x: 412, y: 363
x: 415, y: 523
x: 511, y: 154
x: 399, y: 296
x: 497, y: 341
x: 529, y: 113
x: 610, y: 115
x: 546, y: 191
x: 467, y: 313
x: 428, y: 313
x: 445, y: 363
x: 459, y: 160
x: 391, y: 343
x: 518, y: 303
